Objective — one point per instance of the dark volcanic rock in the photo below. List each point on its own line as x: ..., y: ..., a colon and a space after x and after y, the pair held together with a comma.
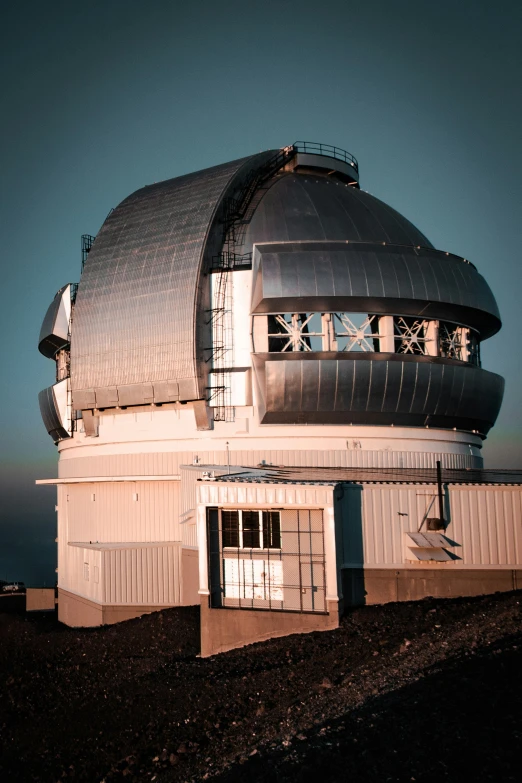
x: 418, y: 691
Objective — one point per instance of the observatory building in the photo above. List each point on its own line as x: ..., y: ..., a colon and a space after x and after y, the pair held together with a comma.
x: 269, y: 398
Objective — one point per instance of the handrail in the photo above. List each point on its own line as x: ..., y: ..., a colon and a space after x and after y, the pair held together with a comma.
x: 327, y: 150
x: 236, y: 207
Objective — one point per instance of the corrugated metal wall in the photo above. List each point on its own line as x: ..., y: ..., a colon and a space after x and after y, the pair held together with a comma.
x: 168, y: 463
x: 252, y: 495
x: 142, y: 575
x: 485, y: 522
x: 81, y: 573
x: 488, y: 523
x: 115, y: 515
x: 190, y: 477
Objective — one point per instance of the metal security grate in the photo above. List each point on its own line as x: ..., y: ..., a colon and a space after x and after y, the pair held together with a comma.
x: 267, y: 559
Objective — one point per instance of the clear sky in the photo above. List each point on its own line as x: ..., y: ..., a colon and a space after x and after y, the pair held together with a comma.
x: 102, y: 97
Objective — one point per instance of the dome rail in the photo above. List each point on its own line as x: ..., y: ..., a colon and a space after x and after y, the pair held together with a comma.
x: 327, y: 151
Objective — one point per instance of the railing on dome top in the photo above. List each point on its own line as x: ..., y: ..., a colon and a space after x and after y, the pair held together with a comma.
x: 327, y: 150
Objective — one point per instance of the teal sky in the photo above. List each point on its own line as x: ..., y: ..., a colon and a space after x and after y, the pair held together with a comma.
x: 102, y: 97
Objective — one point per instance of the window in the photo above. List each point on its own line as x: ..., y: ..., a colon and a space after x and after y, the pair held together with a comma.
x: 271, y: 530
x: 230, y: 523
x: 247, y: 529
x: 251, y: 532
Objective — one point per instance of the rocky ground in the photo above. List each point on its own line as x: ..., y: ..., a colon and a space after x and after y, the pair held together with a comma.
x: 427, y: 691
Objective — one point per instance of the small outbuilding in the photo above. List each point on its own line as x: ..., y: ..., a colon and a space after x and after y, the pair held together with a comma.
x: 286, y: 550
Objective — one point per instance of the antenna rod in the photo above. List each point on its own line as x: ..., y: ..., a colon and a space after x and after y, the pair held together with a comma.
x: 439, y: 488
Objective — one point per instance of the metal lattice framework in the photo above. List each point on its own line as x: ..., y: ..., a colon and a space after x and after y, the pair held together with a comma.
x: 293, y: 331
x: 410, y: 335
x: 371, y: 333
x: 360, y: 330
x: 453, y: 341
x: 238, y: 211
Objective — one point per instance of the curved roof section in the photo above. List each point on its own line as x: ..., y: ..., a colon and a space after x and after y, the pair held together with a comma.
x: 366, y: 276
x: 301, y: 207
x: 134, y: 313
x: 49, y: 410
x: 54, y: 334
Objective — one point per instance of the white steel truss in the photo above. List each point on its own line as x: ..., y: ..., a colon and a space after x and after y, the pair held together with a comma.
x: 293, y: 330
x: 453, y: 341
x: 360, y: 330
x: 458, y: 342
x: 411, y: 335
x: 348, y: 332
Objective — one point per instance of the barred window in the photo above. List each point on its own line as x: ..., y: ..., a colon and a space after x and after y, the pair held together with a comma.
x: 230, y: 523
x: 271, y: 530
x: 251, y: 532
x: 248, y: 529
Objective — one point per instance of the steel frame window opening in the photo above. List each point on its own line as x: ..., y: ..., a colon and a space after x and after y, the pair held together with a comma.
x: 250, y: 529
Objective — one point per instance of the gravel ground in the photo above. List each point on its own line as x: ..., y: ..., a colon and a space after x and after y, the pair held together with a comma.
x: 425, y: 691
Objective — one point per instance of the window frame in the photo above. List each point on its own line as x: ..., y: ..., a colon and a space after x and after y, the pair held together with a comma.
x: 259, y: 530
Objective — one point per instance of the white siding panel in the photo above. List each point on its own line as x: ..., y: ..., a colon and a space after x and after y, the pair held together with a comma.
x: 78, y: 564
x: 142, y: 575
x: 485, y: 521
x: 169, y: 463
x: 212, y: 493
x: 114, y: 514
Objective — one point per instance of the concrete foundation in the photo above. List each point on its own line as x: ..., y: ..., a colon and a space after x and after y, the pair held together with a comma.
x: 79, y: 612
x: 227, y: 629
x: 40, y: 599
x: 190, y: 576
x: 380, y: 586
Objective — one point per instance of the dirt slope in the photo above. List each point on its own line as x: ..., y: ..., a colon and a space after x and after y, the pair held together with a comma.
x: 423, y: 691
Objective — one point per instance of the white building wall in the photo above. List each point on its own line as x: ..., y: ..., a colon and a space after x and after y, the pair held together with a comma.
x: 488, y: 523
x: 123, y: 511
x: 142, y: 575
x: 241, y: 281
x: 123, y: 575
x: 485, y: 522
x: 93, y: 561
x: 158, y: 441
x: 81, y: 573
x: 169, y: 463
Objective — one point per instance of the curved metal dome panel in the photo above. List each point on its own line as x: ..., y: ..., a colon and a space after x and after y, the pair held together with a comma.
x: 306, y: 207
x: 54, y: 334
x: 370, y: 277
x: 403, y: 391
x: 134, y: 318
x: 50, y: 412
